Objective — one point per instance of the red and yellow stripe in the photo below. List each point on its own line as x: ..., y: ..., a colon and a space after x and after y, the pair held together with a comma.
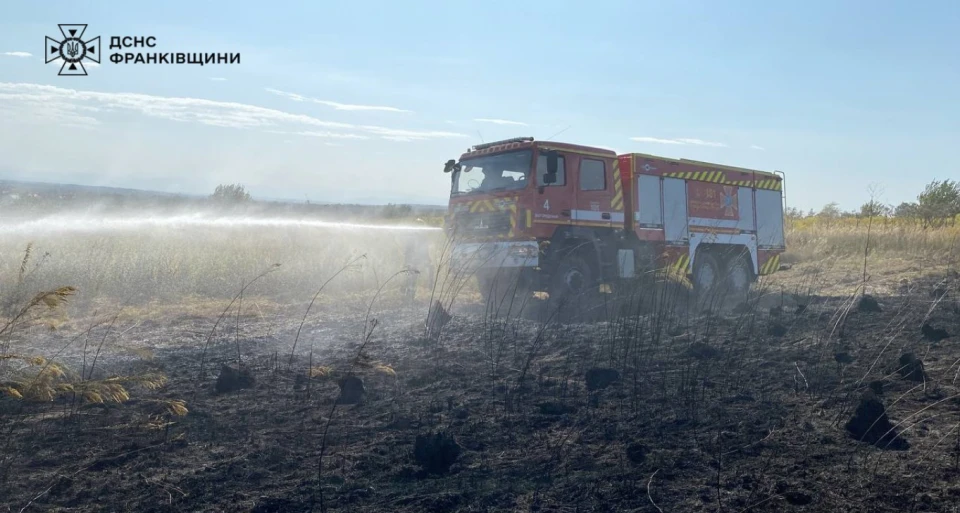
x: 617, y: 202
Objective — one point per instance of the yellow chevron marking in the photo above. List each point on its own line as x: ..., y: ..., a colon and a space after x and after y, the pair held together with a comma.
x: 529, y: 218
x: 771, y: 265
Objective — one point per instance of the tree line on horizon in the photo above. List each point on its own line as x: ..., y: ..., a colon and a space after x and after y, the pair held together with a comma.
x: 937, y: 205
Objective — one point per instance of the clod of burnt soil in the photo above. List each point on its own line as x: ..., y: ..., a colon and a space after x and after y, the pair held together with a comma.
x: 232, y: 379
x: 351, y: 390
x: 437, y: 319
x: 777, y: 329
x: 600, y: 378
x: 436, y: 452
x: 870, y: 424
x: 843, y: 358
x: 869, y: 303
x: 911, y: 368
x: 933, y: 334
x: 702, y: 351
x: 637, y: 453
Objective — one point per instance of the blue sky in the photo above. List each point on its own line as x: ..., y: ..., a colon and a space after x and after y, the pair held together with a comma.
x: 364, y: 101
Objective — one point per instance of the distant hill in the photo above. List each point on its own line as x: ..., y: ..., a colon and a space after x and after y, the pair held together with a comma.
x: 59, y: 189
x: 76, y: 191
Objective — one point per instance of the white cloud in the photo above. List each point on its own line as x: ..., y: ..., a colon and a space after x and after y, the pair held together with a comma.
x: 292, y: 96
x: 18, y: 54
x: 336, y: 105
x: 755, y: 147
x: 37, y: 102
x: 393, y: 134
x: 218, y: 79
x: 701, y: 142
x: 679, y: 141
x: 655, y: 140
x: 322, y: 134
x: 500, y: 121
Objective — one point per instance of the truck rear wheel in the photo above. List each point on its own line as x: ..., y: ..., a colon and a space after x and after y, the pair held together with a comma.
x: 717, y: 284
x: 739, y: 276
x: 706, y: 279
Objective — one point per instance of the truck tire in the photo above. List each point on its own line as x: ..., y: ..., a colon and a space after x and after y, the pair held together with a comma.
x: 707, y: 279
x: 573, y: 289
x: 738, y: 277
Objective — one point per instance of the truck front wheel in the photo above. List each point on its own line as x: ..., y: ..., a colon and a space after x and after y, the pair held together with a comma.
x: 573, y: 289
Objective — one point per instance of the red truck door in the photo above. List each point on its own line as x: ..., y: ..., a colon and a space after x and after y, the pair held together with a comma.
x: 553, y: 203
x: 593, y: 189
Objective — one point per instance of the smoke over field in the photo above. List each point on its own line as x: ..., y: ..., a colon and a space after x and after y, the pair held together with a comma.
x: 162, y: 361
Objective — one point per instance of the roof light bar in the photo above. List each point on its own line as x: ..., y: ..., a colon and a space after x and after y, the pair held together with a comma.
x: 505, y: 141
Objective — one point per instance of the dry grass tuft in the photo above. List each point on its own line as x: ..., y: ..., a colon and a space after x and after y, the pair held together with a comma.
x: 384, y: 369
x: 174, y: 407
x: 54, y: 298
x: 321, y: 371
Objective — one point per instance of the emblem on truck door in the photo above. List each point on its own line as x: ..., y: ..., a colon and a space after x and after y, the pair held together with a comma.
x: 729, y: 208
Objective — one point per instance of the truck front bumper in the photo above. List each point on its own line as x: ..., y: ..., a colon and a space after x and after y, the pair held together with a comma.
x: 496, y: 254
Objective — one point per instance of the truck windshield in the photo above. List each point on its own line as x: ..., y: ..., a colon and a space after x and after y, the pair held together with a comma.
x: 501, y: 172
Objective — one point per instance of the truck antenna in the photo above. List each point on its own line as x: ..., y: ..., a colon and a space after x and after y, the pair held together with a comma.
x: 558, y: 133
x: 481, y: 136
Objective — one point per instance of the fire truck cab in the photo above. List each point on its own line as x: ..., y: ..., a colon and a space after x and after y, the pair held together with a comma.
x: 528, y: 215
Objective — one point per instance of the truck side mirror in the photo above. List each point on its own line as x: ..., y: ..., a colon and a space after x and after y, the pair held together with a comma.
x: 550, y: 177
x: 451, y: 165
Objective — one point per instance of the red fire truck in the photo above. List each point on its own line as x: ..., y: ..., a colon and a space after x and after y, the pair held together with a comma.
x: 568, y: 219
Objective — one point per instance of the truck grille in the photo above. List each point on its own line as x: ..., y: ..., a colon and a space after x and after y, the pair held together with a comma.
x: 482, y: 224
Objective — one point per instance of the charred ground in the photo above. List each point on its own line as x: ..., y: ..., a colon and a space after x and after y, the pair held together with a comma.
x: 649, y: 410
